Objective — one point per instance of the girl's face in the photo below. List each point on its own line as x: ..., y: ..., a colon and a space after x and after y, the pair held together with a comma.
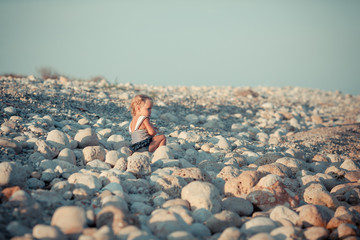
x: 145, y: 109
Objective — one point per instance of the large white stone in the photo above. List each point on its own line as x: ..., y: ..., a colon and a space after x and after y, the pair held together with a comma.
x: 116, y: 141
x: 94, y: 152
x: 162, y: 152
x: 67, y: 155
x: 112, y: 157
x: 139, y: 165
x: 86, y: 137
x: 58, y: 139
x: 282, y: 212
x: 202, y: 195
x: 47, y: 150
x: 89, y: 183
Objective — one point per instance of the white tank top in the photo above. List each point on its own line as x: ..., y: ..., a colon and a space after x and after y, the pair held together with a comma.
x: 138, y: 134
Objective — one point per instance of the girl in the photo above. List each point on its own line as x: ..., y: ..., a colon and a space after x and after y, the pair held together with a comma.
x: 142, y: 131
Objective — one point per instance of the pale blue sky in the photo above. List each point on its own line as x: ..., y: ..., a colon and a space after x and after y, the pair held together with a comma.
x: 307, y: 43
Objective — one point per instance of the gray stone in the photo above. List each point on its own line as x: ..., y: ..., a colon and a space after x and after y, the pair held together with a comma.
x: 16, y: 228
x: 113, y: 217
x: 67, y: 155
x: 115, y: 200
x: 34, y: 183
x: 162, y: 152
x: 12, y: 174
x: 231, y: 233
x: 121, y: 164
x: 116, y: 141
x: 190, y: 136
x: 58, y: 139
x: 47, y: 198
x: 287, y: 232
x: 114, y: 188
x: 98, y: 165
x: 192, y: 118
x: 199, y: 230
x: 241, y: 206
x: 258, y: 225
x: 89, y: 183
x: 86, y: 137
x: 163, y: 222
x: 201, y: 215
x: 222, y: 220
x: 47, y: 150
x: 141, y: 208
x: 172, y: 185
x: 48, y: 175
x: 180, y: 235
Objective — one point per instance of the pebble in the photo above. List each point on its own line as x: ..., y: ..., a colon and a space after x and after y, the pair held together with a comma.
x: 239, y: 163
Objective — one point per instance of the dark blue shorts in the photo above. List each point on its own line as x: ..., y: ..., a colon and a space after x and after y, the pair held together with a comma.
x: 144, y: 143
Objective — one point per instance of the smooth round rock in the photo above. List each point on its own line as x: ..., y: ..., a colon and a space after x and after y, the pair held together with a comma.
x: 70, y: 219
x: 202, y: 195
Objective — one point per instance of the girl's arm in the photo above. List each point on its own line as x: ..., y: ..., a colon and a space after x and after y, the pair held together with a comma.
x: 149, y: 127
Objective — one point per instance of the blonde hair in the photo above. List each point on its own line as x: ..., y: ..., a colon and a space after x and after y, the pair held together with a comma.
x: 138, y: 100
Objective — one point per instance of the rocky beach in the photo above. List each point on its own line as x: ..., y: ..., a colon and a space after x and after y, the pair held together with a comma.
x: 240, y: 163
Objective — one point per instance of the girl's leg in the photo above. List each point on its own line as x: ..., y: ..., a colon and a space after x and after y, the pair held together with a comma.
x: 156, y: 142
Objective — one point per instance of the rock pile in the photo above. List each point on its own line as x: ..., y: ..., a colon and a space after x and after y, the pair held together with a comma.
x: 240, y: 163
